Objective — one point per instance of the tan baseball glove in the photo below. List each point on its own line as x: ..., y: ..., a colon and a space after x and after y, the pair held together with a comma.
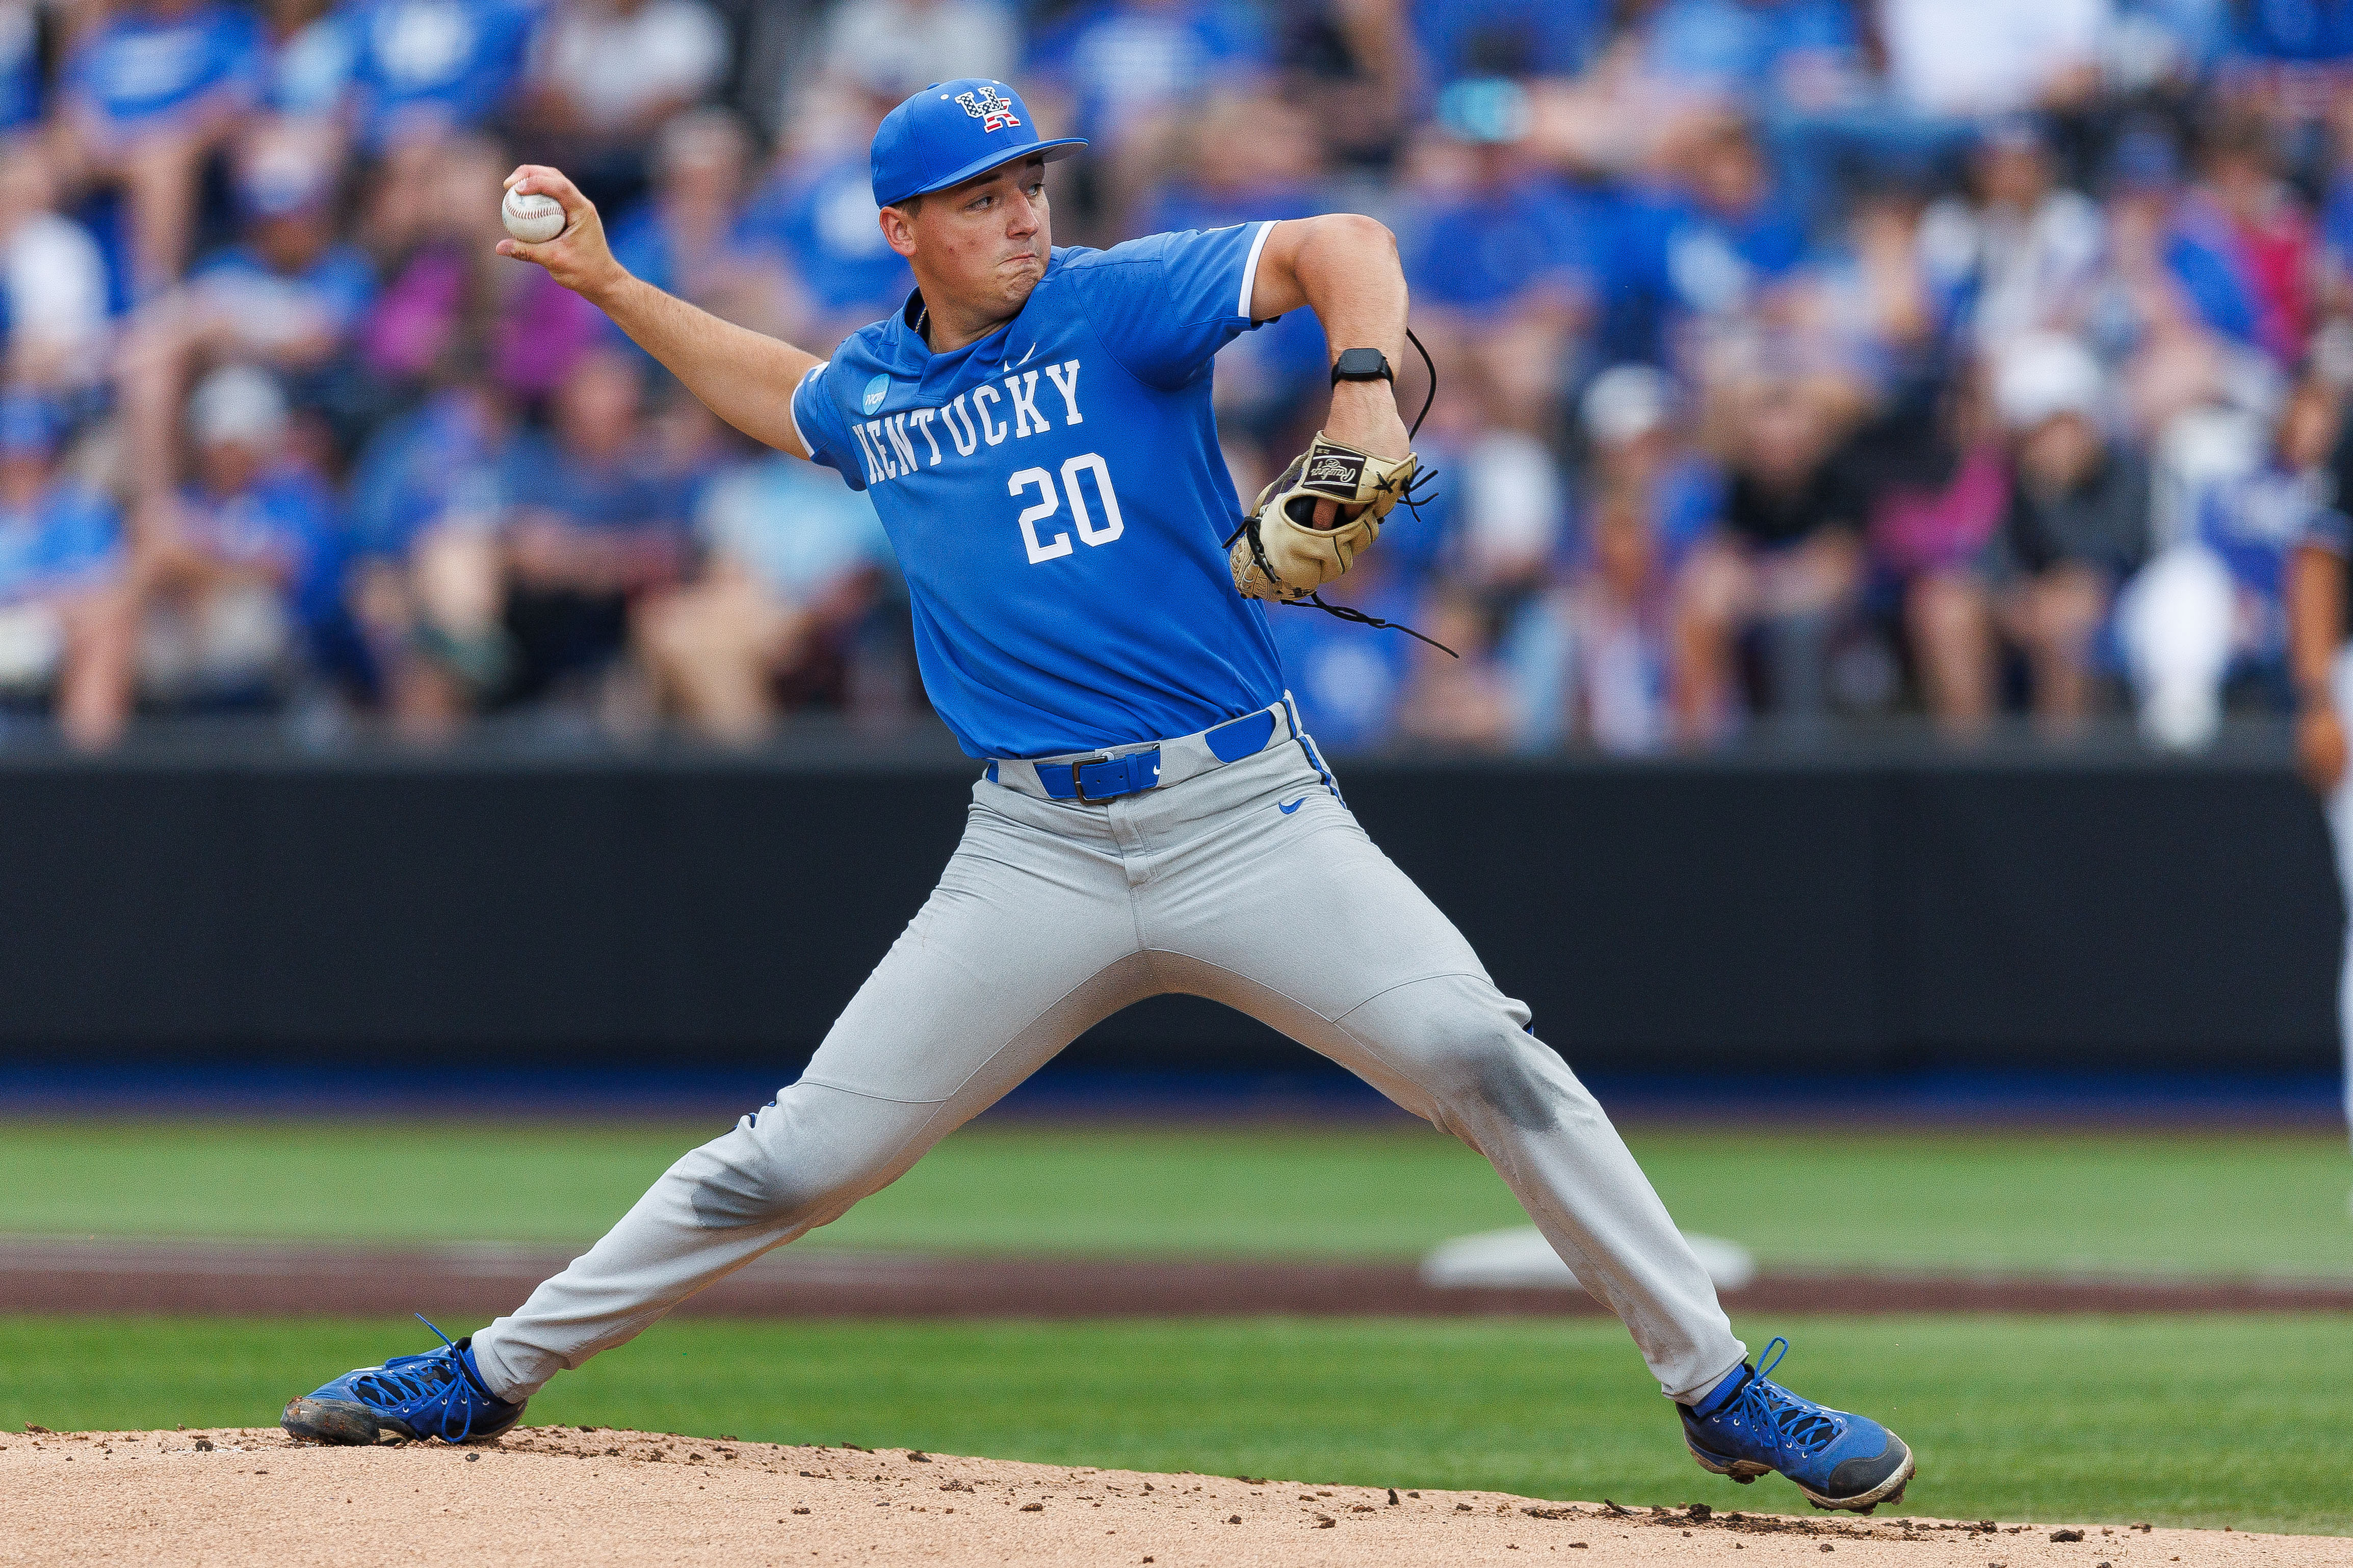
x: 1279, y: 554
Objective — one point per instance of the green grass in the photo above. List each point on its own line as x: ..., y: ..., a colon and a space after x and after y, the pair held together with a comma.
x: 2213, y: 1421
x: 2219, y: 1202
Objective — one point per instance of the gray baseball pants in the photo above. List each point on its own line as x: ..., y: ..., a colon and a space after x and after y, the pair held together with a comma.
x: 1053, y: 915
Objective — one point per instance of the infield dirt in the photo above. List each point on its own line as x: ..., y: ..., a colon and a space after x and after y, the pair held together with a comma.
x: 579, y: 1495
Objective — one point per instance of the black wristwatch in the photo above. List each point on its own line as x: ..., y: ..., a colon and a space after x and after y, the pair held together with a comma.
x: 1362, y: 364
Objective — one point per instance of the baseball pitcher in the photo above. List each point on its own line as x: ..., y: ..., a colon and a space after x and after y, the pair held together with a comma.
x: 1035, y: 428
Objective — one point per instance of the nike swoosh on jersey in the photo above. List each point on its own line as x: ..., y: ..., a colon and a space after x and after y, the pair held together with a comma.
x: 1295, y: 805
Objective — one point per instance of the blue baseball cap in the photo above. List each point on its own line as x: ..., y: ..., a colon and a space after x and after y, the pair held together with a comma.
x: 952, y: 130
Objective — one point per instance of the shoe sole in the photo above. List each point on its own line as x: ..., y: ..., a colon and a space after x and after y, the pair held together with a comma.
x: 1745, y: 1471
x: 345, y: 1422
x: 349, y: 1424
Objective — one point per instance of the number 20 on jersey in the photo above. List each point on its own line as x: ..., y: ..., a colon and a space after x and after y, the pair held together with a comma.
x: 1050, y: 502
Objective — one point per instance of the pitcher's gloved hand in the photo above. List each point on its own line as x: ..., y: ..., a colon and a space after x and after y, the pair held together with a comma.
x: 1279, y: 553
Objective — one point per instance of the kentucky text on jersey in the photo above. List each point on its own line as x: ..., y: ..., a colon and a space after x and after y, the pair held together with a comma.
x: 890, y: 446
x: 1058, y: 501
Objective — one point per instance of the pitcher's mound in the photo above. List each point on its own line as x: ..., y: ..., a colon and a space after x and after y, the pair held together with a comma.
x: 580, y: 1495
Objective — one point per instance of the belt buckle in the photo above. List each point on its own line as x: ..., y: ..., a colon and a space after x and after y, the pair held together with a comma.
x: 1079, y: 782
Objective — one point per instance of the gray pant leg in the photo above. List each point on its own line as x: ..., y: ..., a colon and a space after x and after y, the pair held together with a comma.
x: 1027, y: 942
x: 1298, y: 919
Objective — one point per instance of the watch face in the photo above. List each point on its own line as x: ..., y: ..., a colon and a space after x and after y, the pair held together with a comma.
x: 1361, y: 364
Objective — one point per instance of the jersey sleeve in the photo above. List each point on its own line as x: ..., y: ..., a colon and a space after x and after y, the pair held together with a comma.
x: 1163, y: 305
x: 818, y: 420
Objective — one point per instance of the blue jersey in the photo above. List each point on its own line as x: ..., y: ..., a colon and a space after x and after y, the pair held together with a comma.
x: 20, y: 67
x: 436, y: 62
x: 1058, y: 501
x: 139, y: 69
x: 823, y: 222
x: 70, y: 538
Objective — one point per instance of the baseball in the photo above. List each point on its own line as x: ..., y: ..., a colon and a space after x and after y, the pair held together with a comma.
x: 531, y: 218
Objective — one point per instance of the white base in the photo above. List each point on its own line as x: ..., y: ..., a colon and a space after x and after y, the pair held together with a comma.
x: 1521, y: 1258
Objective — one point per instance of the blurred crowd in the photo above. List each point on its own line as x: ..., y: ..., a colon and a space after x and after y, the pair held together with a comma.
x: 1799, y: 361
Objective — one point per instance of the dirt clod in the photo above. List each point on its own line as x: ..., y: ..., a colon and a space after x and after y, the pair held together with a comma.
x: 2066, y: 1535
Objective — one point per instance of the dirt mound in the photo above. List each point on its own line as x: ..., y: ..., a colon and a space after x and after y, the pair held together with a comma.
x: 579, y: 1495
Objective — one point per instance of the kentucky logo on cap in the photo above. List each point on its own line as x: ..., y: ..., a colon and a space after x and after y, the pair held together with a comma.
x: 993, y: 112
x: 952, y: 131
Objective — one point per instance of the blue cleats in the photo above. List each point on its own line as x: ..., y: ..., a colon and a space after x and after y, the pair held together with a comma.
x: 438, y: 1394
x: 1748, y: 1425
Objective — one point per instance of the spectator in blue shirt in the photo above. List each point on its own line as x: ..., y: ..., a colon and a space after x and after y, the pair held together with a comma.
x: 239, y: 566
x: 428, y: 498
x: 1508, y: 37
x: 20, y: 65
x: 2302, y: 32
x: 2207, y: 618
x: 1247, y: 158
x: 1758, y: 52
x: 603, y: 76
x: 1506, y: 259
x: 289, y: 291
x: 287, y: 294
x: 794, y: 562
x: 55, y: 328
x: 594, y: 521
x: 426, y: 67
x: 65, y: 615
x: 1350, y: 683
x: 1706, y: 252
x: 2178, y: 284
x: 1131, y: 72
x: 149, y: 94
x: 818, y: 220
x: 314, y: 48
x: 690, y: 238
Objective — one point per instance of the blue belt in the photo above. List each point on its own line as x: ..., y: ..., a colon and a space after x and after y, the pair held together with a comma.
x: 1093, y: 779
x: 1105, y: 778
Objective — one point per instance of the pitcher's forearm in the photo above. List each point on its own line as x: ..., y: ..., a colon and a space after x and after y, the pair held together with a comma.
x: 745, y: 377
x: 1344, y: 267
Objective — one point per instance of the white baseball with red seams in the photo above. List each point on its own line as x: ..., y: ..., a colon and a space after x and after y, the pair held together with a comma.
x: 531, y: 218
